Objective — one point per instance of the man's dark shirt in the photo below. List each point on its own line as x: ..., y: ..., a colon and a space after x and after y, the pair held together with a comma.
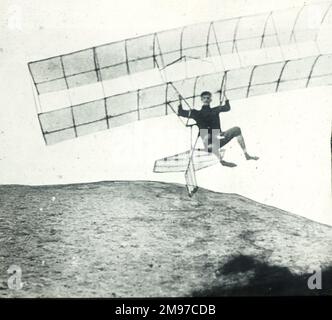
x: 206, y: 118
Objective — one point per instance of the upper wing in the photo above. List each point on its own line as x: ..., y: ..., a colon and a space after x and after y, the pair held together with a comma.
x: 158, y: 50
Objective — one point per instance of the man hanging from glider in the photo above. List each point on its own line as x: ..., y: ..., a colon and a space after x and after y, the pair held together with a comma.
x: 208, y: 121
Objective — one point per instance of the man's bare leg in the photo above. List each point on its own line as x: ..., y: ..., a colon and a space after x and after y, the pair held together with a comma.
x: 220, y: 155
x: 215, y: 149
x: 242, y: 144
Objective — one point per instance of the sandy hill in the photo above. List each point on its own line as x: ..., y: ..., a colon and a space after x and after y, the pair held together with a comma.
x: 137, y: 239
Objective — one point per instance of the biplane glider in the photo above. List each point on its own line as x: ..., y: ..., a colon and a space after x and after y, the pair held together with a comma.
x: 113, y: 84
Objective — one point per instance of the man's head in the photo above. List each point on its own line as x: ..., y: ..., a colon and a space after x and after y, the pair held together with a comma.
x: 206, y: 98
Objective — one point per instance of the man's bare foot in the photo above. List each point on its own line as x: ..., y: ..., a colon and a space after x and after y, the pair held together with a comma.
x: 227, y: 164
x: 248, y: 157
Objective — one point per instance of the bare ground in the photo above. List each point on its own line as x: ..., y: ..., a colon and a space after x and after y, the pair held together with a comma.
x: 143, y: 239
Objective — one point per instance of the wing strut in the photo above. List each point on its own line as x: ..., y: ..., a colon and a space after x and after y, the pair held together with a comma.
x: 190, y: 174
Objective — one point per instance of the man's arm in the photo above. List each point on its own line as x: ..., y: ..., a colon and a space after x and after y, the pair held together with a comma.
x: 183, y: 113
x: 223, y: 108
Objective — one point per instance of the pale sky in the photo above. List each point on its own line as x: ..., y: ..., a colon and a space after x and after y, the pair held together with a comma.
x: 37, y: 29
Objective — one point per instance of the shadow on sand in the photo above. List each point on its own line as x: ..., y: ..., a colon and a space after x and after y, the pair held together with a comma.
x: 246, y: 276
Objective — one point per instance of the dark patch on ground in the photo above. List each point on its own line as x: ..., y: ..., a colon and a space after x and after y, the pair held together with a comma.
x: 251, y: 277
